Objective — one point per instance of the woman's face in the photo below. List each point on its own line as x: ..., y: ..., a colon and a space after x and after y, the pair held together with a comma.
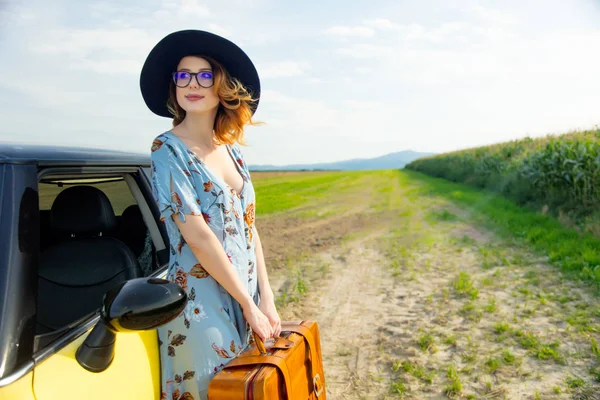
x: 195, y: 97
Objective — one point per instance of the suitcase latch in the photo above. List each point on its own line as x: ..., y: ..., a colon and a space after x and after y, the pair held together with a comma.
x: 317, y: 385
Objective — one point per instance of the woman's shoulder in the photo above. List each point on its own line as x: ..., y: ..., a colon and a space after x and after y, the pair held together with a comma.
x: 168, y: 145
x: 159, y: 143
x: 161, y: 139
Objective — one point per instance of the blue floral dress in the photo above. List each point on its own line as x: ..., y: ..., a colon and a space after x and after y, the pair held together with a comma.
x: 212, y: 329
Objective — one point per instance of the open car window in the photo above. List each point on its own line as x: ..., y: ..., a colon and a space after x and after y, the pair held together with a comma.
x: 93, y: 235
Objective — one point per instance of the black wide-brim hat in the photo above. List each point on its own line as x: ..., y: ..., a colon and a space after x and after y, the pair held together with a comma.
x: 162, y: 61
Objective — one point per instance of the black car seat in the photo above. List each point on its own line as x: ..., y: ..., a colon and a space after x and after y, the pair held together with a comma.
x: 83, y: 264
x: 45, y: 232
x: 132, y: 229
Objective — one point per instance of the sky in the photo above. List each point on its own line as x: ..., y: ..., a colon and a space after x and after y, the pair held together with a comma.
x: 340, y: 79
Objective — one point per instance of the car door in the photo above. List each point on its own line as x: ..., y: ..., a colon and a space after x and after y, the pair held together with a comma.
x: 17, y: 209
x: 20, y: 389
x: 134, y: 373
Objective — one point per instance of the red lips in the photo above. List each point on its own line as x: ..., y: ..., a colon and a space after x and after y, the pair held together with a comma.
x: 193, y: 97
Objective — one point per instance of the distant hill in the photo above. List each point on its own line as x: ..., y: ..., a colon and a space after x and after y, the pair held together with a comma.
x: 388, y: 161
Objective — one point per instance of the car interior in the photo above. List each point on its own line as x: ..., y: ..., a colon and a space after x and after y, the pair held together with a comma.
x: 93, y: 235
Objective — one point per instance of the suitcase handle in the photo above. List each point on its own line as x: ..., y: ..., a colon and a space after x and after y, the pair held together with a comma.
x: 281, y: 343
x: 260, y: 345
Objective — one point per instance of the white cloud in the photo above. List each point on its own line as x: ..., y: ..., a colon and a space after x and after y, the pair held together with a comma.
x: 17, y: 17
x: 85, y: 42
x: 294, y: 111
x: 182, y: 8
x: 494, y: 15
x: 109, y: 67
x: 193, y: 8
x: 446, y: 32
x: 219, y: 30
x: 364, y: 104
x: 27, y: 16
x: 284, y: 69
x: 405, y: 32
x: 104, y: 51
x: 45, y: 93
x: 348, y: 31
x: 368, y: 51
x: 495, y: 56
x: 382, y: 23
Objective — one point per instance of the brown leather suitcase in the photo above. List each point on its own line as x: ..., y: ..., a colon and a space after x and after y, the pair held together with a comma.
x: 289, y: 368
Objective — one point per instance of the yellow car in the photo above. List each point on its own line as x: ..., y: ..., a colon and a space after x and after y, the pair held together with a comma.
x: 83, y: 258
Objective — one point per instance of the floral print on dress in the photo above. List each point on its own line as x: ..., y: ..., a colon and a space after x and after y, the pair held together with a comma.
x: 194, y: 311
x: 249, y: 218
x: 221, y: 351
x: 181, y: 278
x: 211, y: 330
x: 199, y: 272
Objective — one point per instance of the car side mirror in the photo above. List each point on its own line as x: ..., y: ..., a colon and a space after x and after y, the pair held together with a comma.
x: 135, y: 305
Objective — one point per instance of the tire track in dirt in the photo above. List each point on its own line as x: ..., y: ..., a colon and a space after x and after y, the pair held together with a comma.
x: 349, y: 307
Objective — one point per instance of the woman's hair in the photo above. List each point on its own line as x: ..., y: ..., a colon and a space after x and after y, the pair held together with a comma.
x: 234, y: 110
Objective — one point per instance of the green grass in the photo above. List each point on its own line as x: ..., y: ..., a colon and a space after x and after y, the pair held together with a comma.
x: 450, y: 340
x: 595, y: 348
x: 501, y: 327
x: 296, y: 190
x: 398, y: 388
x: 294, y: 288
x: 426, y: 342
x: 443, y: 215
x: 509, y: 359
x: 471, y: 312
x: 490, y: 307
x: 418, y: 371
x: 574, y: 382
x: 463, y: 285
x: 582, y: 321
x: 454, y: 388
x: 595, y: 372
x: 492, y: 364
x: 285, y: 193
x: 577, y: 255
x: 536, y: 348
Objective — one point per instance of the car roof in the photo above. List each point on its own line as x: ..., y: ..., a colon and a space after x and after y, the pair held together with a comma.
x: 51, y: 155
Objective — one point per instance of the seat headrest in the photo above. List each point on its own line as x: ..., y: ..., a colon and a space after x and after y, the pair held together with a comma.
x: 132, y: 221
x: 82, y: 210
x: 133, y: 213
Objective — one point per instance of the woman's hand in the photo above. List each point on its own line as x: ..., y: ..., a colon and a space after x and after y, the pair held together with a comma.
x: 258, y: 321
x: 267, y: 306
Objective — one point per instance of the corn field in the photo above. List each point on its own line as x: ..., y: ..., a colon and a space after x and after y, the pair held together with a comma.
x: 560, y: 173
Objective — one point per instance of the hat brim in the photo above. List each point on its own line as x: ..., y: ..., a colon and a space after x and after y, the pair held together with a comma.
x: 163, y: 59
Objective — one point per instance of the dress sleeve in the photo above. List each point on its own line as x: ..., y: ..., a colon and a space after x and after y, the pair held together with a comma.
x: 173, y: 186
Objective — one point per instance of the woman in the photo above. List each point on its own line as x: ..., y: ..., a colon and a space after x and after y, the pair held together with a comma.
x: 205, y: 195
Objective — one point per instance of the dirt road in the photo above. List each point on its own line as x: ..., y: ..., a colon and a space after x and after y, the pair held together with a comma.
x: 420, y: 303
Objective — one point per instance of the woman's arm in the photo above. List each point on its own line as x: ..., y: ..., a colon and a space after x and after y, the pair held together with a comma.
x: 267, y: 298
x: 209, y: 252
